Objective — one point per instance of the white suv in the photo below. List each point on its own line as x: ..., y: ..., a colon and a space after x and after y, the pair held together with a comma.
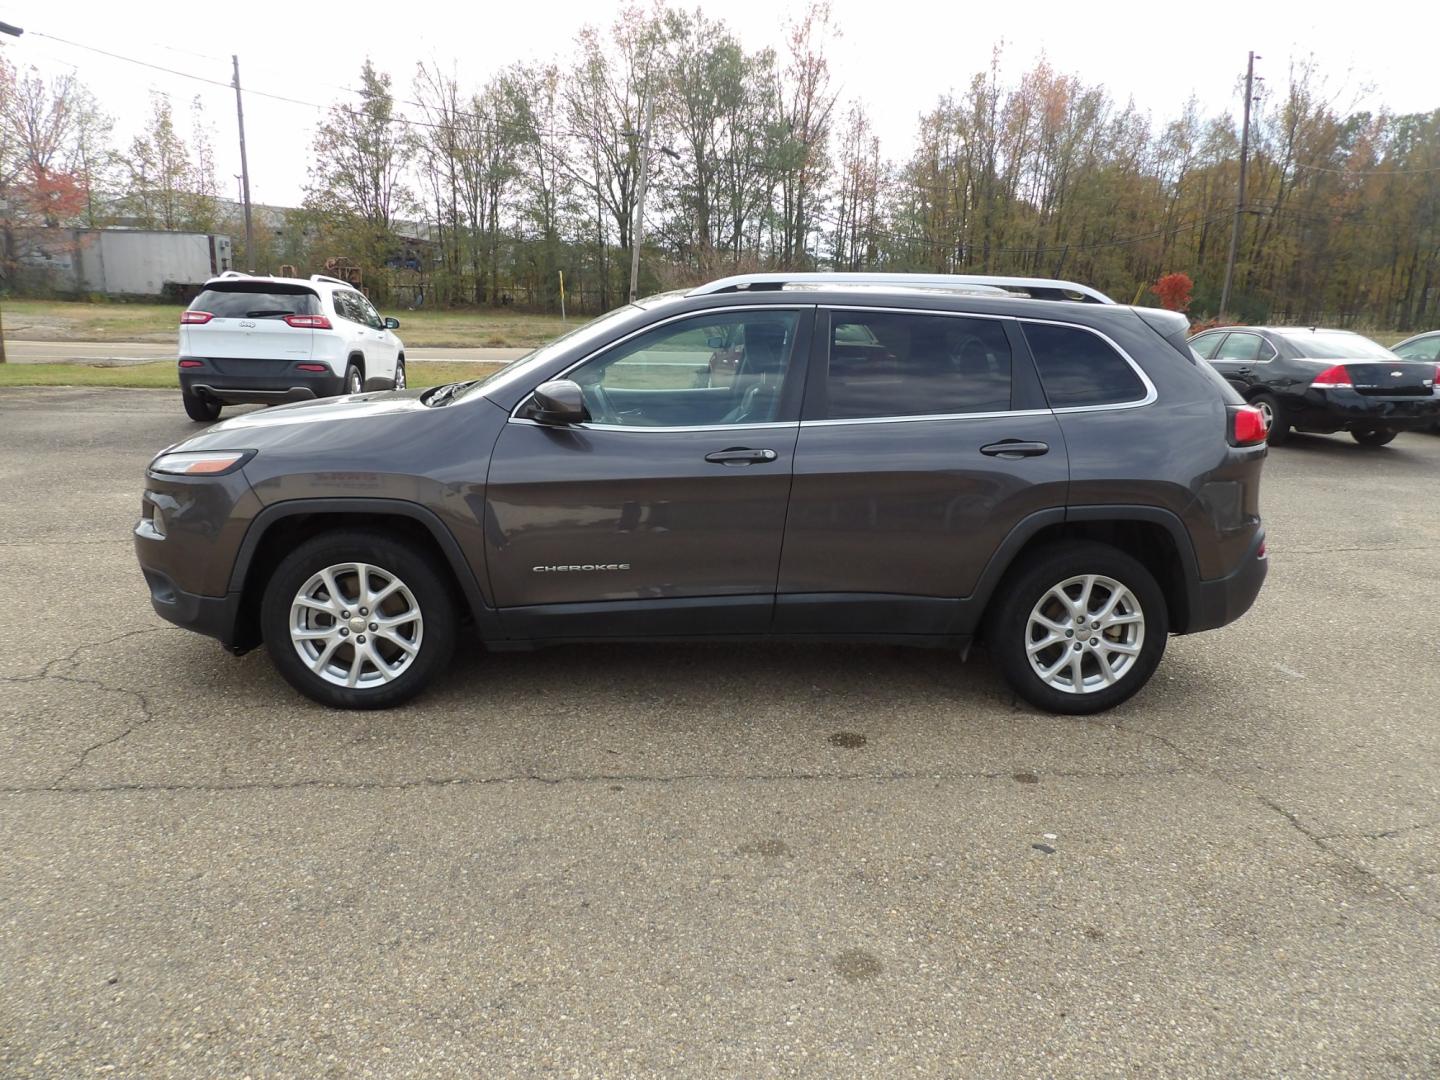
x: 249, y: 339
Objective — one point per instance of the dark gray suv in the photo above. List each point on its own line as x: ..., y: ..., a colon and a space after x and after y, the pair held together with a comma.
x: 873, y: 458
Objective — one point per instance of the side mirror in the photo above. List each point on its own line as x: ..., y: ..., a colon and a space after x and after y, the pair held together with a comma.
x: 715, y: 341
x: 392, y: 324
x: 559, y: 401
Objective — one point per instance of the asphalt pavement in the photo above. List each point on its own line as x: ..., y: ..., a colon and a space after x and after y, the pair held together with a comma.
x: 717, y: 862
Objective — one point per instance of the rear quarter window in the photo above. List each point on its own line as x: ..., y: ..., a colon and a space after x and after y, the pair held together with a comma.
x: 1079, y: 368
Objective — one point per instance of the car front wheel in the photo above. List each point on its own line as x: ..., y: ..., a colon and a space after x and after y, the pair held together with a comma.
x: 357, y: 620
x: 1079, y: 628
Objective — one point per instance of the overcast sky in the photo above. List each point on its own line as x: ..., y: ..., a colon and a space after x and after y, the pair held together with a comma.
x: 897, y: 56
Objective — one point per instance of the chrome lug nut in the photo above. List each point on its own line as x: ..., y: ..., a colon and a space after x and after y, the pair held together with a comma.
x: 361, y: 639
x: 374, y: 627
x: 344, y: 632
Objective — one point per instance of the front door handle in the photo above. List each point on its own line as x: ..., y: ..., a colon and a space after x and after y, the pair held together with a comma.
x: 740, y: 455
x: 1011, y: 449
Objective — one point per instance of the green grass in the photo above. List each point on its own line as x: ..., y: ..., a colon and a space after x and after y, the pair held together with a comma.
x: 161, y: 375
x: 65, y: 320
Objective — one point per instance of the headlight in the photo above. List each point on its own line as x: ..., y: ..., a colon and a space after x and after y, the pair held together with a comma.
x: 201, y: 463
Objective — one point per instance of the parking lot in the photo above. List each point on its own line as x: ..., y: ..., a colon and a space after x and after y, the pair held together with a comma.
x: 717, y: 861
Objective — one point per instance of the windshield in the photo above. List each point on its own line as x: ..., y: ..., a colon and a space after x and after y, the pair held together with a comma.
x: 1323, y: 346
x: 594, y: 329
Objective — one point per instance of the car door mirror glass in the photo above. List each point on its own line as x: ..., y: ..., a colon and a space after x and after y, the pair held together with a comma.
x: 392, y: 324
x: 559, y: 401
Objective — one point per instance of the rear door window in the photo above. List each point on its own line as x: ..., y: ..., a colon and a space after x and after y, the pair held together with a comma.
x: 896, y: 364
x: 1240, y: 347
x: 1080, y: 369
x: 231, y: 302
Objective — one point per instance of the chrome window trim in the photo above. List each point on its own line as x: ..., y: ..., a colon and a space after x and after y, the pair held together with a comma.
x: 799, y: 308
x: 769, y: 425
x: 1150, y: 393
x: 927, y: 417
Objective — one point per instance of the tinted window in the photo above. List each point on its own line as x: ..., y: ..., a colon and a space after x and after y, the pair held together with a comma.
x: 1080, y: 368
x: 1427, y: 348
x: 891, y: 364
x: 709, y: 370
x: 231, y: 302
x: 1206, y: 344
x: 350, y: 306
x: 1239, y: 347
x: 368, y: 314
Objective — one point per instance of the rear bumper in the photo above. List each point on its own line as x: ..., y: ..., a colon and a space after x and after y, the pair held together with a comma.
x: 1348, y: 410
x: 1220, y: 601
x: 288, y: 384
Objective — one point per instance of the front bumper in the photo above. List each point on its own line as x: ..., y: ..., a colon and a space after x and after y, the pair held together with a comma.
x: 1347, y: 410
x: 213, y: 616
x: 267, y: 382
x: 1220, y: 601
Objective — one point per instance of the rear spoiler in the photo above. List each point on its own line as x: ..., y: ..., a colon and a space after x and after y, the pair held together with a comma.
x: 1170, y: 325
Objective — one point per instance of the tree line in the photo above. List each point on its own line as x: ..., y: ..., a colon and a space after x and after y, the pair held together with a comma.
x: 464, y: 193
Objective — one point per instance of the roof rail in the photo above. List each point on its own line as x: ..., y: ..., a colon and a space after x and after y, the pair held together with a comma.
x: 1035, y: 288
x: 233, y: 273
x: 332, y: 280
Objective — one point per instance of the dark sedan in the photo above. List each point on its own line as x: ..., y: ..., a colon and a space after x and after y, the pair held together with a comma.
x: 1323, y: 381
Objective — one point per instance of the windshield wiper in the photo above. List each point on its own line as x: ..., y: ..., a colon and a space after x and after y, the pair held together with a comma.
x: 443, y: 394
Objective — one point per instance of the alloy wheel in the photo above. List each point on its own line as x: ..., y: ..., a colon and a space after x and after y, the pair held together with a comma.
x: 356, y: 625
x: 1085, y: 634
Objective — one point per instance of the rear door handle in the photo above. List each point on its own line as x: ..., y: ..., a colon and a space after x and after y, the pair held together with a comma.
x: 740, y: 455
x: 1014, y: 448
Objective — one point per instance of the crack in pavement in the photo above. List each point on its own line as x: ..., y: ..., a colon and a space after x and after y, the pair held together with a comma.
x: 581, y: 778
x: 47, y: 674
x: 1385, y: 834
x: 1317, y: 839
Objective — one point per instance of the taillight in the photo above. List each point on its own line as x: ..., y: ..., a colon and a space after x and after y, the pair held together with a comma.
x: 192, y: 363
x: 195, y: 318
x: 1247, y: 425
x: 312, y: 367
x: 308, y: 322
x: 1331, y: 378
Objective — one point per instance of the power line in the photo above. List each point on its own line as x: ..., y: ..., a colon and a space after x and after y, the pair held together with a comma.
x: 1365, y: 172
x: 494, y: 124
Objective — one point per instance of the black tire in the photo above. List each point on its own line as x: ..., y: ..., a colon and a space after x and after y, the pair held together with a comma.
x: 427, y: 587
x: 1279, y: 430
x: 1024, y: 588
x: 1379, y: 436
x: 198, y: 408
x: 399, y: 382
x: 354, y: 379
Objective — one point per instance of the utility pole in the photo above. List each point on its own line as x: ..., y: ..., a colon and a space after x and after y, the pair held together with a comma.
x: 1240, y: 194
x: 637, y: 227
x: 244, y: 168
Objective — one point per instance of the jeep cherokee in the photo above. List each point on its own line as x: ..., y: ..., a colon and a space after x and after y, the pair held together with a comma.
x: 879, y: 458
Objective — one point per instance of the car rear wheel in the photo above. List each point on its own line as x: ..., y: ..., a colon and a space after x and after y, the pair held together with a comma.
x: 400, y: 374
x: 1374, y: 436
x: 357, y: 620
x: 1079, y: 629
x: 354, y: 380
x: 1277, y: 422
x: 198, y: 408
